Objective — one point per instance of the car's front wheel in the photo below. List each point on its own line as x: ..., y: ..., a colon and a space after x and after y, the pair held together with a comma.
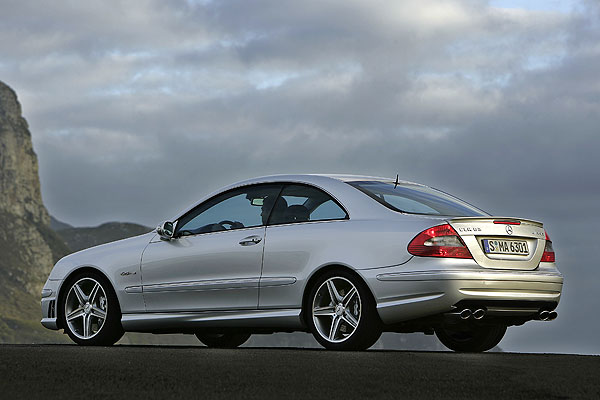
x: 470, y: 337
x: 223, y: 340
x: 341, y: 312
x: 90, y: 310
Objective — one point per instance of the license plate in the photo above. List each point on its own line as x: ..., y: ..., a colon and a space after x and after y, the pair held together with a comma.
x: 494, y: 246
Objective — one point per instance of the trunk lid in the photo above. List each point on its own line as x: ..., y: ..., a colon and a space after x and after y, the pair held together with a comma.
x: 502, y: 243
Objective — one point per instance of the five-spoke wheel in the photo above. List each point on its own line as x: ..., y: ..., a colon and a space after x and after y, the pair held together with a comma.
x: 85, y: 308
x: 336, y: 309
x: 342, y: 313
x: 91, y: 313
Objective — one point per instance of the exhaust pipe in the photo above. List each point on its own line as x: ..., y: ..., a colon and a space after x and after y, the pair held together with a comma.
x: 552, y: 316
x: 479, y: 313
x: 544, y: 315
x: 466, y: 314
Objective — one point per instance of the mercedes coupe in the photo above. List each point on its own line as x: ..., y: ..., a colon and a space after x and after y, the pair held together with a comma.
x: 343, y: 257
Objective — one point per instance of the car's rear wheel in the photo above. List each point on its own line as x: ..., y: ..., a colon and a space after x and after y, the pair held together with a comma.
x: 223, y: 340
x: 341, y: 312
x: 470, y: 337
x: 90, y: 312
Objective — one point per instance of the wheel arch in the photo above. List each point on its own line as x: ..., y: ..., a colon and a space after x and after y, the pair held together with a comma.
x: 316, y: 274
x: 67, y: 280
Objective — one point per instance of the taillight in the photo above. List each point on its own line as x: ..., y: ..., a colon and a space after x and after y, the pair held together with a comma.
x: 439, y: 241
x: 548, y: 255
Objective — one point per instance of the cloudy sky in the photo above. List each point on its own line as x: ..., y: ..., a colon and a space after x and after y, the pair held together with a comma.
x: 139, y: 108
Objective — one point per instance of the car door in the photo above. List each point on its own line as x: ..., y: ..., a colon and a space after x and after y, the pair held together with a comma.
x: 214, y: 260
x: 302, y: 232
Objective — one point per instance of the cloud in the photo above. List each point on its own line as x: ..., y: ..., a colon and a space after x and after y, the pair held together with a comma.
x: 138, y: 109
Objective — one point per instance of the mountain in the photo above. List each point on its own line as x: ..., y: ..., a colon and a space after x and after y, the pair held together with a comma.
x: 82, y: 238
x: 57, y: 225
x: 30, y: 240
x: 28, y: 246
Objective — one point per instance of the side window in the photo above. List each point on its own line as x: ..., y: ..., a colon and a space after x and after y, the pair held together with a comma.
x: 328, y: 210
x: 303, y: 203
x: 239, y: 208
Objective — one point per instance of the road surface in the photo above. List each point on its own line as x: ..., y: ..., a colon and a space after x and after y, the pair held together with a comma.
x: 136, y: 372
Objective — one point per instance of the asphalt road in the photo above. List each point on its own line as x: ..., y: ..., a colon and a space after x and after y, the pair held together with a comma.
x: 132, y: 372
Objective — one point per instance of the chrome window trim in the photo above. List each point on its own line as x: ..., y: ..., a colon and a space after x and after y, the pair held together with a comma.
x: 283, y: 183
x: 271, y: 181
x: 213, y: 233
x: 309, y: 222
x: 260, y: 226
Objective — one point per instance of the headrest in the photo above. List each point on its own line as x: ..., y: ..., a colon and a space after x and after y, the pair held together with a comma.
x: 296, y: 213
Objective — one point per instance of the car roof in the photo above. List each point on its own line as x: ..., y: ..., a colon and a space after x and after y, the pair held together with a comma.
x: 354, y: 178
x: 333, y: 184
x: 315, y: 177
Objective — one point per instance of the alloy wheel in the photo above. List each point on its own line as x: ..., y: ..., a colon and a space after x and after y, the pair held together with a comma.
x: 336, y: 309
x: 86, y: 308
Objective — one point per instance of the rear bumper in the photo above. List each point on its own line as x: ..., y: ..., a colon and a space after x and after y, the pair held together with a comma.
x: 406, y: 295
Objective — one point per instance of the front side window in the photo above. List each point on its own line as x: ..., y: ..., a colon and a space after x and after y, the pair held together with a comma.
x: 239, y: 208
x: 303, y: 203
x: 416, y: 199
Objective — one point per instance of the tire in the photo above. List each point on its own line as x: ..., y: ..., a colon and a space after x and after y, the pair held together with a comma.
x: 470, y: 337
x: 89, y: 310
x: 223, y: 340
x: 340, y: 312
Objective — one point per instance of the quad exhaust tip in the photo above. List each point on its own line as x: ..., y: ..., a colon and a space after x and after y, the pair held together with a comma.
x: 479, y: 313
x: 468, y: 313
x: 547, y: 315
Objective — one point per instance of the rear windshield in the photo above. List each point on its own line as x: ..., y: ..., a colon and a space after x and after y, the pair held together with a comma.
x: 416, y: 199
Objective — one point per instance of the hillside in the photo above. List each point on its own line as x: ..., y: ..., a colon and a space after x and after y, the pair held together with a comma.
x: 28, y: 246
x: 82, y: 238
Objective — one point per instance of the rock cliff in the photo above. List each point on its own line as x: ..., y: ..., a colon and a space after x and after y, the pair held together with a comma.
x: 20, y: 193
x: 28, y: 247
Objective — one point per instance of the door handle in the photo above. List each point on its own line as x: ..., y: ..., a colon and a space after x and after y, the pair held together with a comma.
x: 250, y: 240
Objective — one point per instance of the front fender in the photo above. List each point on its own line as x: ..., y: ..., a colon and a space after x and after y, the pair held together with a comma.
x: 118, y: 261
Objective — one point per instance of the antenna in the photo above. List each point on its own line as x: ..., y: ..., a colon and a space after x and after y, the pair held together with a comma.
x: 396, y: 183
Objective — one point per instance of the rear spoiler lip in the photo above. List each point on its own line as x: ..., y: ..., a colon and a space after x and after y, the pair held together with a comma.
x: 494, y: 218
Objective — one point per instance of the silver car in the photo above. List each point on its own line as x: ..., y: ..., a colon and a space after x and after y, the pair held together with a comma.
x: 343, y: 257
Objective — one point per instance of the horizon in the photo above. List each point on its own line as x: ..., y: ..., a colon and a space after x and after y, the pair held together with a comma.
x: 137, y: 110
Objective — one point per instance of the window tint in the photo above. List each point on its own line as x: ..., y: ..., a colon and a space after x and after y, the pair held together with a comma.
x: 416, y: 199
x: 240, y: 208
x: 303, y: 203
x: 327, y: 210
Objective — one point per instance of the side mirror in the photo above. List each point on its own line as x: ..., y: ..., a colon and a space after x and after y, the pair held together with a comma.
x: 165, y: 230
